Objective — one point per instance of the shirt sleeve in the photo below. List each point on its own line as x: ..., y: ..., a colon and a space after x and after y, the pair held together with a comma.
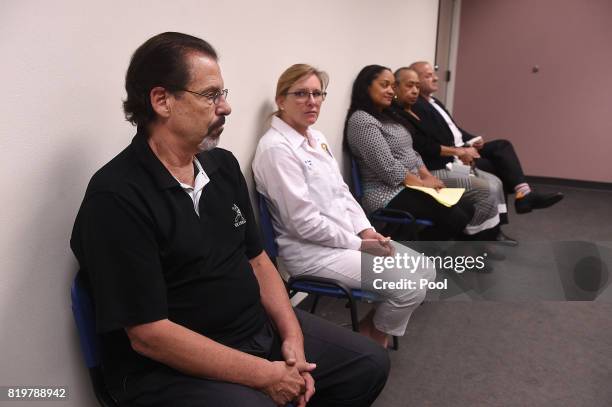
x: 253, y: 246
x: 465, y: 135
x: 358, y: 217
x: 366, y: 140
x: 121, y: 257
x: 280, y: 177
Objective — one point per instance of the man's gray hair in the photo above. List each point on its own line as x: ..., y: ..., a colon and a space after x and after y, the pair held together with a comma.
x: 398, y: 72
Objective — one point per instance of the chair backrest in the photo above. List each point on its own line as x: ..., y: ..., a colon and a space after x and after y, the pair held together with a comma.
x: 84, y: 317
x: 356, y: 180
x: 265, y: 221
x: 83, y: 312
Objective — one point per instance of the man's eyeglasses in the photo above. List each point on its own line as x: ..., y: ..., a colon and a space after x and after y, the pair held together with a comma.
x: 304, y: 95
x: 214, y: 97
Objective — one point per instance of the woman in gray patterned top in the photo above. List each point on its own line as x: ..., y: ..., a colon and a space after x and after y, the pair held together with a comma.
x: 383, y: 150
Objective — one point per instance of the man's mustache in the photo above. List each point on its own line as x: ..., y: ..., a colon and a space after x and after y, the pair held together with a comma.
x: 220, y: 122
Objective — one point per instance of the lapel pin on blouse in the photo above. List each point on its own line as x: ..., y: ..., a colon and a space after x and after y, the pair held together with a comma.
x: 324, y: 147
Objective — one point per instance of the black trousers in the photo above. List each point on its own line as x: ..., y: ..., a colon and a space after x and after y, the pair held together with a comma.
x: 448, y: 222
x: 498, y: 157
x: 351, y: 371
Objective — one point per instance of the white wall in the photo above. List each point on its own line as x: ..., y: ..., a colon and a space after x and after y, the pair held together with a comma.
x: 62, y: 71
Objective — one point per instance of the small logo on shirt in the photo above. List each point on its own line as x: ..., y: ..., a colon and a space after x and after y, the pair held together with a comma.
x: 308, y: 164
x: 239, y: 219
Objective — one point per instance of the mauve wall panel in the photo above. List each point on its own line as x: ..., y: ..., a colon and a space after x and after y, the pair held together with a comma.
x: 559, y: 119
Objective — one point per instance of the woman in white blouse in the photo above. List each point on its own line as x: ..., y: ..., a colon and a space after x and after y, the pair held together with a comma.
x: 322, y: 231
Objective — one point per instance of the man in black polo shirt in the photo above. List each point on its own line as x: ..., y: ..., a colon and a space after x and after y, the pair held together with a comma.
x: 189, y: 308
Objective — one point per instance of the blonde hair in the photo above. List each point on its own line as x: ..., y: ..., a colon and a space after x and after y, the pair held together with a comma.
x: 293, y: 74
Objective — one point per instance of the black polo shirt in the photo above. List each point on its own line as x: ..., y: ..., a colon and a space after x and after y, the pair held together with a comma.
x: 148, y: 256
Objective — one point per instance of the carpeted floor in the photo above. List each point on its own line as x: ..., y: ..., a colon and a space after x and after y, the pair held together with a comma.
x: 512, y: 338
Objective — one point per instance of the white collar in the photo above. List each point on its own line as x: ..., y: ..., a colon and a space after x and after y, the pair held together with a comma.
x: 200, y: 180
x: 295, y: 139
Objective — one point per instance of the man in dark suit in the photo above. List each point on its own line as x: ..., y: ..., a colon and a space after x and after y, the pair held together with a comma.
x: 497, y: 156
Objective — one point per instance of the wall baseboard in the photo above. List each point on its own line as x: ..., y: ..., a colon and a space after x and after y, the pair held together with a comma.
x: 569, y: 182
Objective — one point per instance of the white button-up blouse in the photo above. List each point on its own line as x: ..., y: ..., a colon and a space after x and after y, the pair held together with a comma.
x: 313, y: 211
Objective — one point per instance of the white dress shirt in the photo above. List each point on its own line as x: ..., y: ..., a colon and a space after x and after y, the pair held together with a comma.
x: 313, y: 212
x: 457, y: 135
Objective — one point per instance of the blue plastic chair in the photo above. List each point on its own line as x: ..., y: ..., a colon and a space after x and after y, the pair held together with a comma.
x: 84, y: 317
x: 317, y: 286
x: 385, y: 215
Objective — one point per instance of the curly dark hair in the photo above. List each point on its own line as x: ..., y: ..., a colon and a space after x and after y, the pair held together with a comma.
x: 160, y: 61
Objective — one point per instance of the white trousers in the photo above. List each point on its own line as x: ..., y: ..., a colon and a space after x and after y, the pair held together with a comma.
x: 393, y: 313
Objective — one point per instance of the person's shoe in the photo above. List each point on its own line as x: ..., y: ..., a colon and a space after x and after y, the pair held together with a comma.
x: 505, y: 240
x: 535, y: 200
x: 484, y: 251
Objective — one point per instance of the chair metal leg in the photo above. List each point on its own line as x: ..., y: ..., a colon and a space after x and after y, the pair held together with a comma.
x: 354, y: 318
x: 395, y: 343
x: 313, y: 308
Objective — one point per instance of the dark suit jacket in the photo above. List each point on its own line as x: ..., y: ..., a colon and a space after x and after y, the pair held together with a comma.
x: 436, y: 133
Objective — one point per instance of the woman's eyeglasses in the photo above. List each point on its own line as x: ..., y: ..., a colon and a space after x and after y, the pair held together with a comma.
x: 304, y: 95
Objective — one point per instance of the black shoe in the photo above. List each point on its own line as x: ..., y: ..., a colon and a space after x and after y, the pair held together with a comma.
x: 505, y: 240
x: 534, y: 200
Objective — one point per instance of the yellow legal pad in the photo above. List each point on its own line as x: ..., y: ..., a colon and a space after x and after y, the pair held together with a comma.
x: 446, y: 196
